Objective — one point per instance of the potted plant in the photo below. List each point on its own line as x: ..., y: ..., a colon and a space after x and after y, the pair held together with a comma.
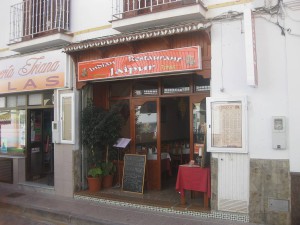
x: 94, y: 179
x: 112, y: 124
x: 100, y: 131
x: 108, y: 169
x: 91, y: 116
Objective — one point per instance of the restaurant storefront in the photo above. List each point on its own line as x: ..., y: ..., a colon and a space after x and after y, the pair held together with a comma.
x: 27, y: 109
x: 162, y: 83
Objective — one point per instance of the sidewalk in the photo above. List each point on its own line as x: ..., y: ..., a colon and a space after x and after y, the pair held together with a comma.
x: 86, y: 212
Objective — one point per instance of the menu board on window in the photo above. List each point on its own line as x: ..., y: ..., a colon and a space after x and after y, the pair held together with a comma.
x: 226, y: 127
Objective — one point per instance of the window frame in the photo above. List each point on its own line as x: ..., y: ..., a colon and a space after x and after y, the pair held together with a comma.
x: 62, y: 119
x: 243, y: 119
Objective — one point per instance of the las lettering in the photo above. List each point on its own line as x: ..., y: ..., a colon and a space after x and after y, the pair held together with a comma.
x: 30, y: 84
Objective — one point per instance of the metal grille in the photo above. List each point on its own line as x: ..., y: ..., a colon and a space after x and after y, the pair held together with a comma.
x: 121, y: 7
x: 32, y: 17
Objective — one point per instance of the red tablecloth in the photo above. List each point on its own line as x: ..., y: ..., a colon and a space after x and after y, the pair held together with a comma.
x: 193, y: 178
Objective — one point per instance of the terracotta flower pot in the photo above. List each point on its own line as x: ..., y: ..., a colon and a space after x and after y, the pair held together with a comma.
x: 94, y: 184
x: 107, y: 181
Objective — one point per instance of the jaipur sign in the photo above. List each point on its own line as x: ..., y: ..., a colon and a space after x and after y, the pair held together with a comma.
x: 158, y: 62
x: 34, y: 72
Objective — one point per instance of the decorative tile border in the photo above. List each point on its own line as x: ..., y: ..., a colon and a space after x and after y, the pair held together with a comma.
x: 212, y: 214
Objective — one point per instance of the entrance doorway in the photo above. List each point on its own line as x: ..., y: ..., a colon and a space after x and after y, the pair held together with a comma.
x: 165, y: 120
x: 146, y: 139
x: 171, y: 132
x: 175, y: 138
x: 40, y: 154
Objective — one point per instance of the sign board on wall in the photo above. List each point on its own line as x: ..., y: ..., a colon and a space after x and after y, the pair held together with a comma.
x: 33, y: 72
x: 158, y: 62
x: 227, y: 124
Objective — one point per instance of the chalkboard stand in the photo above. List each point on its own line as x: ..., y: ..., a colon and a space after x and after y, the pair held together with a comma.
x: 134, y: 173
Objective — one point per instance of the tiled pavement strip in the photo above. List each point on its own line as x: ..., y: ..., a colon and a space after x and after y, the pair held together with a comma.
x: 83, y: 210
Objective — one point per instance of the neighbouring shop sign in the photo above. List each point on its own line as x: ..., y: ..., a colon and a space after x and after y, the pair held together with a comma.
x: 33, y: 72
x: 172, y: 60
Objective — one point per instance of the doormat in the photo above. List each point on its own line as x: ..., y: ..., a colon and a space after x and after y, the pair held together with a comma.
x: 15, y: 195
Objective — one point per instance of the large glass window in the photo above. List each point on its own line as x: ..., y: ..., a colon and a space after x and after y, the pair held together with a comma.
x: 2, y: 102
x: 125, y: 112
x: 146, y: 127
x: 35, y: 99
x: 145, y: 87
x: 11, y: 101
x: 12, y: 132
x: 67, y: 115
x: 201, y: 84
x: 176, y: 85
x: 120, y: 89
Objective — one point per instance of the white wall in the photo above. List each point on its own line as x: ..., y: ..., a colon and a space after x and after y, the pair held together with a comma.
x: 5, y: 27
x: 219, y: 7
x: 89, y: 15
x: 88, y: 19
x: 229, y: 72
x: 293, y: 74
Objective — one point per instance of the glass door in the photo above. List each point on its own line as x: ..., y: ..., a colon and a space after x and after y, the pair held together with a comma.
x: 198, y: 129
x: 145, y: 136
x: 34, y: 149
x: 40, y: 154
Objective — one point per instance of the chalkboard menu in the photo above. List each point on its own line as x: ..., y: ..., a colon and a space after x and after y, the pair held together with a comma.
x: 134, y: 173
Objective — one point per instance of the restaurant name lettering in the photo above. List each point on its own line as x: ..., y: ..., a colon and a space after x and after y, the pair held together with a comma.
x: 33, y: 66
x: 130, y: 70
x: 32, y: 73
x: 140, y: 64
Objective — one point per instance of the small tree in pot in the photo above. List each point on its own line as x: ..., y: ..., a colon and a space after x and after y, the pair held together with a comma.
x: 100, y: 130
x: 112, y: 125
x: 92, y: 115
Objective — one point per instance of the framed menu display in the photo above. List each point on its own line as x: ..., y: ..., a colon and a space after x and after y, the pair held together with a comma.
x: 227, y: 124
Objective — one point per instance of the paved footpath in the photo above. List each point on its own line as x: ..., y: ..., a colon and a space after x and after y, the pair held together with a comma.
x: 12, y: 218
x: 46, y: 209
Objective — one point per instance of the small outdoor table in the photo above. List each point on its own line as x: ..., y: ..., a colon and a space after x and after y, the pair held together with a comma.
x: 194, y: 178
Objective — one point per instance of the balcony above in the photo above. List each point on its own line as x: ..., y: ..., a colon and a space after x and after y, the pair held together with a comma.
x: 131, y: 15
x: 36, y: 44
x: 39, y: 24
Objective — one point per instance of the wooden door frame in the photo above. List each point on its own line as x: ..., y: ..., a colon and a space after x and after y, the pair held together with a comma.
x: 138, y: 101
x: 133, y: 103
x: 194, y: 98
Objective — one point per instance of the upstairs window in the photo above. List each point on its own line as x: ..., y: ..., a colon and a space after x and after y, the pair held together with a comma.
x: 32, y: 18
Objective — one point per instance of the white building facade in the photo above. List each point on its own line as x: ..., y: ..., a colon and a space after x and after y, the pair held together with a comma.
x: 254, y: 49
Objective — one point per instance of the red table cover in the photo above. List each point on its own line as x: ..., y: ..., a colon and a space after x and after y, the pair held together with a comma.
x: 193, y: 178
